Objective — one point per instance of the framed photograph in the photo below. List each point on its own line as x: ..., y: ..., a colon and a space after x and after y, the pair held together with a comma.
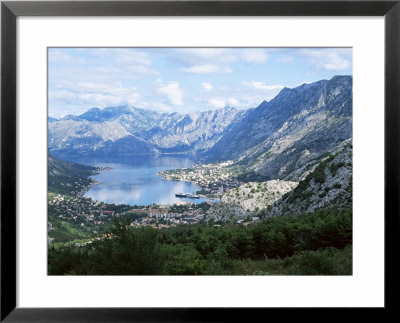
x: 180, y: 155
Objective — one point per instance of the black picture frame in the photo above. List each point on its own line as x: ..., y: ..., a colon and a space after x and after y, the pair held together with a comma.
x: 10, y: 10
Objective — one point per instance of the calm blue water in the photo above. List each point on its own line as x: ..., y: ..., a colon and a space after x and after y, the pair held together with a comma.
x: 134, y: 180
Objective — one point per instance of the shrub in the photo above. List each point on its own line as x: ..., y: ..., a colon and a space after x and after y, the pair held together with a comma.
x: 334, y: 167
x: 337, y: 185
x: 328, y: 261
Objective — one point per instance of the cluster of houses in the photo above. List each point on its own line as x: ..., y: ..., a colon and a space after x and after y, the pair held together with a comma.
x: 205, y: 175
x: 215, y: 179
x: 84, y: 211
x: 162, y: 214
x: 168, y: 222
x: 56, y: 199
x: 162, y: 217
x: 189, y: 216
x: 104, y: 213
x: 90, y: 216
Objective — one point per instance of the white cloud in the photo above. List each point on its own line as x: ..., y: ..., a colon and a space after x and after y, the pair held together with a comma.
x: 120, y: 55
x: 217, y: 56
x: 173, y: 92
x: 233, y: 102
x: 217, y: 103
x: 108, y: 66
x: 143, y: 70
x: 134, y: 57
x: 158, y: 106
x: 93, y: 94
x: 207, y: 69
x: 62, y: 95
x: 330, y: 60
x: 214, y: 60
x: 337, y: 64
x: 116, y: 88
x: 83, y: 78
x: 254, y: 56
x: 112, y: 72
x: 58, y: 56
x: 200, y: 56
x: 262, y: 86
x: 207, y: 86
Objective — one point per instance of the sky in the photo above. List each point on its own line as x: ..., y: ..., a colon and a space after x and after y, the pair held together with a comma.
x: 182, y: 79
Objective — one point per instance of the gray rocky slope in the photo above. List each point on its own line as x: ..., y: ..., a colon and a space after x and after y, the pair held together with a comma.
x: 330, y: 184
x: 327, y: 185
x: 281, y: 139
x: 127, y: 130
x: 302, y: 135
x: 285, y: 137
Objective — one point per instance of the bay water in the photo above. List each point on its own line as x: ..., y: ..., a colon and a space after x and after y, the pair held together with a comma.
x: 135, y: 180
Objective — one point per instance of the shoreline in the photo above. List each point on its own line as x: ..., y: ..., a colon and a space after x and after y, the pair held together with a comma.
x: 99, y: 169
x: 92, y: 182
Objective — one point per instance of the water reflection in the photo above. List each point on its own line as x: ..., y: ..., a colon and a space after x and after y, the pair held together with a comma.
x: 134, y: 180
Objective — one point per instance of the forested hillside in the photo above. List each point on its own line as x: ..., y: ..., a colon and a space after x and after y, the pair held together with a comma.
x: 68, y: 178
x: 316, y: 243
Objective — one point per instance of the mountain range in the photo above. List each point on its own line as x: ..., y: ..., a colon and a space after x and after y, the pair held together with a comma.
x: 284, y: 138
x: 131, y: 131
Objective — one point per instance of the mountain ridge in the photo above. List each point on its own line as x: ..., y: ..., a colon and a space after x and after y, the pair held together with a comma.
x: 298, y: 126
x: 290, y: 132
x: 99, y: 131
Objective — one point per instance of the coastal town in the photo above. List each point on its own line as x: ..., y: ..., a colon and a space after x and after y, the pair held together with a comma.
x: 218, y: 182
x: 95, y: 217
x: 214, y: 179
x: 73, y: 217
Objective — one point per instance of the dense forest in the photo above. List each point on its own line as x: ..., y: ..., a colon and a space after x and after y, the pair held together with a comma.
x: 318, y: 243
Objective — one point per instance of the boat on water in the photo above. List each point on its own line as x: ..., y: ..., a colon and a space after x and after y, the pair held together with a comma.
x: 187, y: 195
x: 193, y: 196
x: 181, y: 195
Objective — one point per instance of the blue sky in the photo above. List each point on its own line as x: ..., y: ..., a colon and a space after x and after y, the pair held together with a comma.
x: 183, y: 79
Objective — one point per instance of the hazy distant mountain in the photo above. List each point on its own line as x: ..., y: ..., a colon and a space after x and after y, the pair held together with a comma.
x: 197, y: 130
x: 286, y: 136
x: 129, y: 130
x: 283, y: 138
x: 131, y: 118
